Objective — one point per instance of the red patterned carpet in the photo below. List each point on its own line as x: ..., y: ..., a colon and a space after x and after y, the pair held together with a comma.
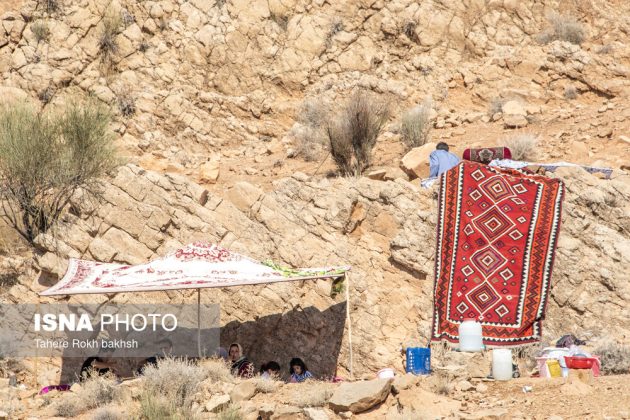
x: 497, y: 233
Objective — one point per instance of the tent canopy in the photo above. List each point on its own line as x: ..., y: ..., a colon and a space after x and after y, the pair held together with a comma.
x: 196, y: 266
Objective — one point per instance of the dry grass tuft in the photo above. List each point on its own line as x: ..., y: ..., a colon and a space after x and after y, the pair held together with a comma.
x: 50, y: 6
x: 615, y: 359
x: 40, y: 31
x: 415, y: 127
x: 107, y: 413
x: 570, y: 92
x: 563, y: 28
x: 522, y: 146
x: 309, y: 132
x: 443, y: 384
x: 126, y: 104
x: 352, y: 134
x: 281, y: 20
x: 112, y: 25
x: 495, y: 106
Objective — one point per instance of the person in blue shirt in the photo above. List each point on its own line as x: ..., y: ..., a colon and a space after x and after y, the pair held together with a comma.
x: 441, y: 160
x: 298, y: 370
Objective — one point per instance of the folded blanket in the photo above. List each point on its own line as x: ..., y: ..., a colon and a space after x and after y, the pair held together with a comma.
x: 487, y: 154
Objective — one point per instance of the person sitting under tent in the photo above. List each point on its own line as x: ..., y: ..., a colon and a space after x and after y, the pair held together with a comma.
x: 166, y: 348
x: 441, y: 160
x: 298, y: 370
x: 240, y: 365
x: 101, y: 365
x: 270, y: 370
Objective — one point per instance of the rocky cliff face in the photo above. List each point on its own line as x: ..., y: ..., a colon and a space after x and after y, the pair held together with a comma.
x: 215, y: 85
x: 385, y: 230
x: 193, y: 81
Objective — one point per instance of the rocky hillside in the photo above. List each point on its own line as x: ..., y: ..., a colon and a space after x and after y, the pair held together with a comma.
x: 384, y: 229
x: 207, y: 97
x: 222, y: 81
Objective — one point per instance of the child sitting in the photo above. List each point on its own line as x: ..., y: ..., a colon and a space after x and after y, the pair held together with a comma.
x: 270, y: 370
x: 298, y: 370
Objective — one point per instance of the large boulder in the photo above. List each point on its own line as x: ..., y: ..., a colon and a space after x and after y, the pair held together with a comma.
x: 360, y: 396
x: 243, y: 391
x: 416, y: 162
x: 217, y: 403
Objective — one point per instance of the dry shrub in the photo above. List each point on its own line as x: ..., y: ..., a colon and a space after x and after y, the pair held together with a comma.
x: 176, y: 380
x: 112, y: 25
x: 9, y: 365
x: 98, y: 390
x: 69, y: 406
x: 615, y: 358
x: 281, y: 20
x: 309, y: 132
x: 230, y: 412
x: 50, y: 6
x: 563, y: 28
x: 522, y: 146
x: 40, y: 31
x: 495, y: 106
x: 353, y: 133
x: 107, y: 413
x: 217, y: 370
x: 266, y: 385
x: 95, y: 391
x: 416, y: 125
x: 46, y: 95
x: 570, y: 92
x: 443, y: 384
x: 156, y: 407
x: 313, y: 394
x: 409, y: 29
x: 126, y: 103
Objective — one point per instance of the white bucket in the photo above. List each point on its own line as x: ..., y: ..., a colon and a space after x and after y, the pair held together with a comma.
x: 386, y: 373
x: 470, y: 336
x: 502, y: 364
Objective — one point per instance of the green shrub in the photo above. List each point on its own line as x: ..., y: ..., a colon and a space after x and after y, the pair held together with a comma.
x: 45, y: 159
x: 353, y: 133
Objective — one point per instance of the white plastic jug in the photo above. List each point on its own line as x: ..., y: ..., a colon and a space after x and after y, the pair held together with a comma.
x: 470, y: 337
x: 502, y: 364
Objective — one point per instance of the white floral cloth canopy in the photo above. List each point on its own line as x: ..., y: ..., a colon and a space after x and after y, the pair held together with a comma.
x: 196, y: 266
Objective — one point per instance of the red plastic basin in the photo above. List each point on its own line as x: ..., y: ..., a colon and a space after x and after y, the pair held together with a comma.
x: 579, y: 362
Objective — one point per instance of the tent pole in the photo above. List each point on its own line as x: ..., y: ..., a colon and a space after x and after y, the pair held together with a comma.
x: 349, y: 322
x: 199, y: 322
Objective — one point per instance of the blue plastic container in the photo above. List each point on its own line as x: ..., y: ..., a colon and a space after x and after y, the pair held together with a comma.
x: 419, y: 360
